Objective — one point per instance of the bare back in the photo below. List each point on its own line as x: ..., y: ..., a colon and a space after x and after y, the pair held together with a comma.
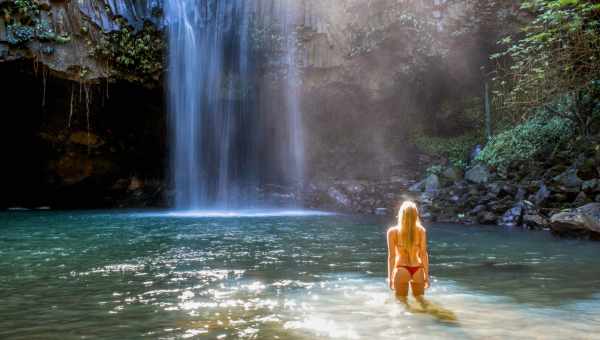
x: 411, y: 256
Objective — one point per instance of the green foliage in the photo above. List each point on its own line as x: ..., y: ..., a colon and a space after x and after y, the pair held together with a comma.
x: 556, y: 55
x: 139, y: 53
x: 44, y: 32
x: 537, y: 136
x: 19, y: 34
x: 455, y: 149
x: 434, y: 170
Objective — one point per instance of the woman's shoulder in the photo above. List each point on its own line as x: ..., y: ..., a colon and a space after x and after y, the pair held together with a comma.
x: 392, y: 230
x: 421, y: 228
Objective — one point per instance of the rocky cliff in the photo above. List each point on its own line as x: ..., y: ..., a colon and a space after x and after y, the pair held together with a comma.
x: 83, y: 82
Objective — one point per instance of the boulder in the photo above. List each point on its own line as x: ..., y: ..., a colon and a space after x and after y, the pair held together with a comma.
x: 478, y: 174
x: 417, y: 187
x: 591, y: 185
x: 339, y: 197
x: 542, y: 195
x: 432, y: 184
x: 514, y: 216
x: 487, y: 217
x: 521, y: 193
x: 581, y: 222
x: 535, y: 221
x: 381, y: 211
x: 453, y: 174
x: 581, y: 199
x: 569, y: 179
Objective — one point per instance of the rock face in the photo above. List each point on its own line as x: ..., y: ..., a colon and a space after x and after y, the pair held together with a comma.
x: 581, y: 222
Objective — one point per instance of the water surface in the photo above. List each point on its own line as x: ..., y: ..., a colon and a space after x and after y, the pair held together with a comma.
x: 126, y: 275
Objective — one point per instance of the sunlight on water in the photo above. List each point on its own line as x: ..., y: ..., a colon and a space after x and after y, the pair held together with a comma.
x: 114, y: 275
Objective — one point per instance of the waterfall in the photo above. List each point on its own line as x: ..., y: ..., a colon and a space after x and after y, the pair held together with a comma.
x: 220, y: 147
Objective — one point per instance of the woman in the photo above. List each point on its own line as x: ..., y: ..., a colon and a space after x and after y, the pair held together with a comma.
x: 408, y: 261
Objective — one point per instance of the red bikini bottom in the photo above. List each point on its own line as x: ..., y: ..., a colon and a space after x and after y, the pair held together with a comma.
x: 411, y: 270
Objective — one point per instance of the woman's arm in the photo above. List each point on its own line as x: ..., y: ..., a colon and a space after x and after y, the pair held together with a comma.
x: 425, y: 258
x: 391, y: 242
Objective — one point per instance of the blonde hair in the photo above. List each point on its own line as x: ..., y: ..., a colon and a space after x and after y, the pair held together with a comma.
x: 408, y: 219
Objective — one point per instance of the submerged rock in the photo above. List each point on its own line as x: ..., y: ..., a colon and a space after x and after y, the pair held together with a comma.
x: 581, y: 222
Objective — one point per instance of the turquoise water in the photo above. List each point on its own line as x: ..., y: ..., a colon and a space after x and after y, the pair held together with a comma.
x: 127, y: 275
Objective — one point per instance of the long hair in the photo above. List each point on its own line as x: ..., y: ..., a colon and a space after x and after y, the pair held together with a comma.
x: 408, y: 218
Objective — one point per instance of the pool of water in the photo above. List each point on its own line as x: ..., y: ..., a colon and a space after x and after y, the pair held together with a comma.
x: 126, y: 275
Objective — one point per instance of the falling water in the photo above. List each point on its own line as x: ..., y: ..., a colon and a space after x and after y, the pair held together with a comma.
x: 220, y: 145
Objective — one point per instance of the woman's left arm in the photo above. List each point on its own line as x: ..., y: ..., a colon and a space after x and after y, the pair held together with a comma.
x: 391, y: 256
x: 425, y: 258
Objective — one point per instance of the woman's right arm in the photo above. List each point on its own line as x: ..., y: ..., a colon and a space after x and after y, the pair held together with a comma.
x: 391, y: 257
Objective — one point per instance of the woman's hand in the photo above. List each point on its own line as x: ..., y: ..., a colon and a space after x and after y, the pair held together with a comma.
x: 390, y: 283
x: 427, y: 283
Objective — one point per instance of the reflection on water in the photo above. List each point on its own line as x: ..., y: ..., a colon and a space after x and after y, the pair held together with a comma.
x: 126, y: 275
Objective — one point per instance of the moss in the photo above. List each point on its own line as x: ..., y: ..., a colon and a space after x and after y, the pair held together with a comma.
x: 135, y: 53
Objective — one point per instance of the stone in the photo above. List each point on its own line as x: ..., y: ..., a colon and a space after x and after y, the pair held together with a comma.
x: 339, y: 198
x: 581, y: 199
x: 478, y: 174
x: 581, y: 222
x: 478, y: 209
x: 542, y: 195
x: 521, y: 193
x: 535, y: 221
x: 135, y: 184
x: 85, y: 139
x: 453, y: 174
x: 417, y: 187
x: 432, y: 184
x: 513, y: 216
x: 590, y: 186
x: 569, y: 179
x: 487, y: 217
x: 381, y: 211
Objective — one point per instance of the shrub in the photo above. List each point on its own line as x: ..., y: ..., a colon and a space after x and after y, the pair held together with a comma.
x: 537, y: 136
x: 455, y: 149
x: 19, y: 34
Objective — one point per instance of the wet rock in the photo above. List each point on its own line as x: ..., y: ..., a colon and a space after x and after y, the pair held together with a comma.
x: 339, y: 198
x: 487, y: 217
x: 569, y: 179
x: 135, y: 184
x: 381, y: 211
x: 478, y: 209
x: 478, y: 174
x: 513, y: 217
x: 417, y: 187
x: 432, y: 184
x: 535, y: 221
x: 581, y: 222
x: 542, y: 195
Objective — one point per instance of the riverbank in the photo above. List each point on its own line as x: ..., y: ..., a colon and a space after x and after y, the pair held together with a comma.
x: 560, y: 194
